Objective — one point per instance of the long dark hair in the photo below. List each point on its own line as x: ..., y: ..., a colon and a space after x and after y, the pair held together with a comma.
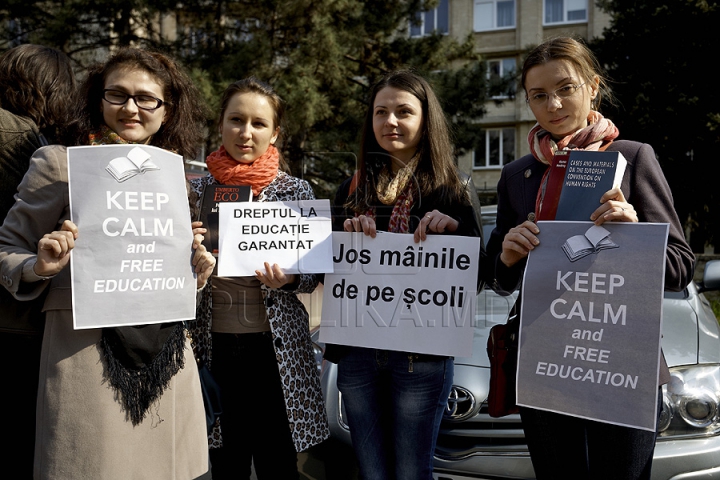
x: 253, y: 85
x: 436, y: 173
x: 38, y: 82
x: 183, y: 130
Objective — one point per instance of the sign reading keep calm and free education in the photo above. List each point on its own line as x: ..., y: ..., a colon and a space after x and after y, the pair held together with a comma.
x: 131, y: 264
x: 391, y: 293
x: 591, y: 321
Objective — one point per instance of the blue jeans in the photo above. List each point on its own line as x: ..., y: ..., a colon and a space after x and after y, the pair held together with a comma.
x: 394, y: 414
x: 570, y: 448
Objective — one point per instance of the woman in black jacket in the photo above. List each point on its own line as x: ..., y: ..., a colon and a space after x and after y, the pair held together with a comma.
x: 406, y: 182
x: 38, y: 92
x: 563, y: 87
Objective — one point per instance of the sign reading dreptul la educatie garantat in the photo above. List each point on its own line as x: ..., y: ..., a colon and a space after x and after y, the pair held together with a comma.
x: 391, y: 293
x: 131, y: 264
x: 591, y: 321
x: 294, y: 234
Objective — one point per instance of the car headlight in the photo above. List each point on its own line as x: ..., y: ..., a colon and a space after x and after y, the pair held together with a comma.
x: 691, y: 402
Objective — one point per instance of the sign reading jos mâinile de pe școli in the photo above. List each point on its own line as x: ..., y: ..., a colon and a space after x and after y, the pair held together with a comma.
x: 131, y: 264
x: 591, y: 321
x: 294, y: 234
x: 391, y: 293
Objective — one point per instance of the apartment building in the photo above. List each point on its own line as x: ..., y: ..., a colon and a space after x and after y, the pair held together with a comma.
x: 503, y: 30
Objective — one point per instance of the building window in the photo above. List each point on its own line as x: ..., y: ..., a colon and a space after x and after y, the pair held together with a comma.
x: 565, y: 11
x: 501, y: 77
x: 493, y: 14
x: 495, y: 149
x: 435, y: 20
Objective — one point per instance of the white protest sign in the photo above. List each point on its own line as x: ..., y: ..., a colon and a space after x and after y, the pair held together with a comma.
x: 296, y: 235
x: 391, y: 293
x: 591, y: 321
x: 131, y: 264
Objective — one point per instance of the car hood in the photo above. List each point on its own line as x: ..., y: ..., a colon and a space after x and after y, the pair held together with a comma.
x: 680, y: 341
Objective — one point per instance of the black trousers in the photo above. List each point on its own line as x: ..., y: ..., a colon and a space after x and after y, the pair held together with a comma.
x: 254, y: 422
x: 570, y: 448
x: 20, y: 357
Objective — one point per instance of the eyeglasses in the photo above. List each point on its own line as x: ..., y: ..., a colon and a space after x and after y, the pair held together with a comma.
x: 144, y: 102
x: 539, y: 99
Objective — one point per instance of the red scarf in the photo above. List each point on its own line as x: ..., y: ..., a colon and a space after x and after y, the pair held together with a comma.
x: 598, y: 135
x: 258, y: 174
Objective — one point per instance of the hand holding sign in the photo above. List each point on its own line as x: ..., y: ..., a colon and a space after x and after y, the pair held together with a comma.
x: 54, y: 250
x: 203, y: 261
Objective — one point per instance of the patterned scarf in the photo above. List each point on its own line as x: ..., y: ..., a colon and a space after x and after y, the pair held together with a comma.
x: 140, y: 360
x: 105, y: 136
x: 398, y: 191
x: 258, y: 174
x: 597, y: 136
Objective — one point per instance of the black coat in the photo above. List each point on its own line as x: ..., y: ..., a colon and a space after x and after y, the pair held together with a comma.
x: 467, y: 214
x: 643, y: 185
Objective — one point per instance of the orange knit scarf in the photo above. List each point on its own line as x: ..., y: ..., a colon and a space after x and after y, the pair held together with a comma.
x: 258, y: 174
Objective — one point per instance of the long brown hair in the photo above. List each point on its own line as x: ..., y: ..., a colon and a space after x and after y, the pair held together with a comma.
x: 183, y: 130
x: 38, y: 82
x: 436, y: 173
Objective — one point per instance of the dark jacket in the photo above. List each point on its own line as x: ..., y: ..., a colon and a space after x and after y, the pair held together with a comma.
x: 468, y: 216
x: 19, y: 138
x: 643, y: 185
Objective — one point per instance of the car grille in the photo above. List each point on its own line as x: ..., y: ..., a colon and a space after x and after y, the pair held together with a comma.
x: 481, y: 435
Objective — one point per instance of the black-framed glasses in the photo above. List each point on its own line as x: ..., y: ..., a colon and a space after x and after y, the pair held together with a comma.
x: 145, y: 102
x: 539, y: 99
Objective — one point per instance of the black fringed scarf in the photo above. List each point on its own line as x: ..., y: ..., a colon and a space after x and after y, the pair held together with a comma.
x: 142, y: 359
x: 140, y: 363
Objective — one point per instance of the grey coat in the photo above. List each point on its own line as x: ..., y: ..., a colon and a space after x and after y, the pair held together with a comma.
x: 81, y: 430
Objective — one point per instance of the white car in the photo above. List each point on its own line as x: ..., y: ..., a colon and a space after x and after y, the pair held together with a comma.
x: 472, y: 445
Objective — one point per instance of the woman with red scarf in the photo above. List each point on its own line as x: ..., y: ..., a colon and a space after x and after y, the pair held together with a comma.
x: 253, y: 332
x: 563, y: 87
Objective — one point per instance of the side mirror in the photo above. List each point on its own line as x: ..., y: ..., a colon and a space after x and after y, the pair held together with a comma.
x: 711, y: 276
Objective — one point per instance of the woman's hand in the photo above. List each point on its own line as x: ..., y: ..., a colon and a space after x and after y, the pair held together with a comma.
x: 518, y: 242
x: 203, y: 261
x: 361, y: 223
x: 54, y: 250
x: 435, y: 222
x: 198, y: 233
x: 273, y: 276
x: 614, y: 208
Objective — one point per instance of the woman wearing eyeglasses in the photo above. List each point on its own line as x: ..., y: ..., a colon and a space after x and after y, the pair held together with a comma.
x: 564, y: 87
x: 113, y: 403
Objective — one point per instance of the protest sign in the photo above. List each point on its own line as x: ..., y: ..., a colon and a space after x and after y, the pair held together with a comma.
x: 391, y: 293
x: 296, y: 235
x: 590, y: 324
x: 131, y: 264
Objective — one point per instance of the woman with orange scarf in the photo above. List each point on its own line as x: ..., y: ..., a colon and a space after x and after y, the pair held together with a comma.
x: 563, y: 87
x: 253, y: 332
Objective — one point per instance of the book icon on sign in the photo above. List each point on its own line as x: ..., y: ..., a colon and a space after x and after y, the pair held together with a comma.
x: 136, y: 162
x: 595, y: 239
